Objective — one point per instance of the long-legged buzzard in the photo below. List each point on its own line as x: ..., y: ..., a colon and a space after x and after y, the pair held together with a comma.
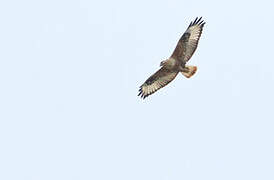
x: 177, y: 62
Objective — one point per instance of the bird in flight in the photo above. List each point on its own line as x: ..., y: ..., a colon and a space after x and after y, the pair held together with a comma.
x: 177, y: 62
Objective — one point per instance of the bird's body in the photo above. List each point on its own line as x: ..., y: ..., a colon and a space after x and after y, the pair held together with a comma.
x: 177, y: 62
x: 170, y: 63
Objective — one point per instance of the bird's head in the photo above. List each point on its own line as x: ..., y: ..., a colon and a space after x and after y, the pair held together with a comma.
x: 163, y: 63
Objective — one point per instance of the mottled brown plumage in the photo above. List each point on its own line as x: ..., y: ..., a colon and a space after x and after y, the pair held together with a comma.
x: 176, y: 63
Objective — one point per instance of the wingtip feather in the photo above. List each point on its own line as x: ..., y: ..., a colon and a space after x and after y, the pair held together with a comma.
x: 197, y: 21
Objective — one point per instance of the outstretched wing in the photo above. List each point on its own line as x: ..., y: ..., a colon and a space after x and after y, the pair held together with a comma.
x: 158, y: 80
x: 189, y: 41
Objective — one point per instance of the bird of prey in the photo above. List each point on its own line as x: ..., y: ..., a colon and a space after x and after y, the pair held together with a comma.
x: 177, y: 61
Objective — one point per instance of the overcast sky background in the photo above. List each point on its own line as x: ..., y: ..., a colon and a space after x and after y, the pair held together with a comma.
x: 69, y: 78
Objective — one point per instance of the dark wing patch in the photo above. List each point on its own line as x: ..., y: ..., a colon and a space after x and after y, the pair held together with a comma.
x: 189, y: 41
x: 155, y: 82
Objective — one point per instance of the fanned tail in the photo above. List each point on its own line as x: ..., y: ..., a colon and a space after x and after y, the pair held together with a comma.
x: 191, y: 71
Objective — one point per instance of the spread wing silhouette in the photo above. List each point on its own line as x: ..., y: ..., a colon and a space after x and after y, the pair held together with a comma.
x: 158, y: 80
x: 189, y: 41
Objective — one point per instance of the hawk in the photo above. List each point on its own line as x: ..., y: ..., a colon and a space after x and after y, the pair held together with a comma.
x: 177, y: 62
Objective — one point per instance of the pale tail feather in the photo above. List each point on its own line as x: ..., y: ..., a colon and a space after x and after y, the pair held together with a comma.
x: 191, y: 71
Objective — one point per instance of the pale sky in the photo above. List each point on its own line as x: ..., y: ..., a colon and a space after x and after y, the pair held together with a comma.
x: 70, y: 72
